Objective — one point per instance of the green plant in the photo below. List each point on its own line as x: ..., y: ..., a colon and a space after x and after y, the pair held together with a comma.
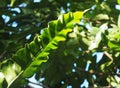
x: 66, y: 52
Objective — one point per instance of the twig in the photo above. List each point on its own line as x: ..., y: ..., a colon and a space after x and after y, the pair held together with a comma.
x: 109, y: 56
x: 1, y: 56
x: 38, y: 84
x: 91, y: 72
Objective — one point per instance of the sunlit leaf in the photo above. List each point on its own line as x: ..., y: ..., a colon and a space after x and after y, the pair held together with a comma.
x: 113, y: 45
x: 78, y: 15
x: 56, y: 32
x: 101, y: 17
x: 118, y: 1
x: 119, y: 20
x: 9, y: 71
x: 3, y: 83
x: 12, y: 2
x: 95, y: 42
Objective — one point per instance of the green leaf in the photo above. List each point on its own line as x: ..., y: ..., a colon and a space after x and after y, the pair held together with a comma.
x: 9, y: 71
x: 119, y: 20
x: 114, y: 34
x: 46, y: 51
x: 12, y: 2
x: 118, y: 1
x: 101, y: 17
x: 37, y: 52
x: 29, y: 58
x: 95, y: 42
x: 24, y: 56
x: 67, y: 17
x: 78, y: 15
x: 104, y: 67
x: 18, y: 81
x: 97, y: 35
x: 94, y: 30
x: 3, y: 83
x: 114, y: 45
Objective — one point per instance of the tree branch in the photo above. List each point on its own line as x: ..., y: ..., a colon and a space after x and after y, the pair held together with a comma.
x: 92, y: 72
x: 109, y: 56
x: 38, y: 84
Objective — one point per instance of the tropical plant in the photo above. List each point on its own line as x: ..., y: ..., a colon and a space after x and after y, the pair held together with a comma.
x: 79, y: 46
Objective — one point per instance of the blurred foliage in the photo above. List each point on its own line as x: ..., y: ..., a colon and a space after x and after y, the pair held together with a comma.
x: 64, y: 51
